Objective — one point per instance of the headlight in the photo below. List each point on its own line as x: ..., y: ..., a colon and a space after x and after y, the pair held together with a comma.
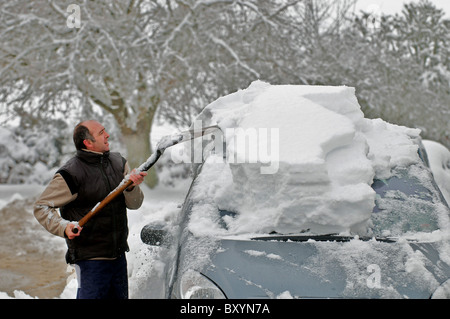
x: 443, y: 291
x: 194, y: 285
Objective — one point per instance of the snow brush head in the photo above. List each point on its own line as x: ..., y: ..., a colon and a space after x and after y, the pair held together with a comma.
x: 168, y: 141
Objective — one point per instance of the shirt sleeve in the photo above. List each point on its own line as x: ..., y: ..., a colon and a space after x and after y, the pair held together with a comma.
x: 134, y: 197
x: 46, y: 208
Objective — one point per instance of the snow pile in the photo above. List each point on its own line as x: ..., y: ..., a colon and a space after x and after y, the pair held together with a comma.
x: 439, y: 158
x: 301, y: 158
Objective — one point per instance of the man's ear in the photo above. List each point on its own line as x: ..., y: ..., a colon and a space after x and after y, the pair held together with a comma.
x: 87, y: 143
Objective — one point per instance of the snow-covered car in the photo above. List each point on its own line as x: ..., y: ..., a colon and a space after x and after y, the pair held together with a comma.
x: 334, y: 206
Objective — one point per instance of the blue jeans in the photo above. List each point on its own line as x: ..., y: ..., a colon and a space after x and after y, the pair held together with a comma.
x: 102, y: 279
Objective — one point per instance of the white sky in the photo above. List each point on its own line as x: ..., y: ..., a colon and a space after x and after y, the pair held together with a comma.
x: 395, y: 6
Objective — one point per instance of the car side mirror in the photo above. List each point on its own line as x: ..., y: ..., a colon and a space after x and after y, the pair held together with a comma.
x: 154, y: 234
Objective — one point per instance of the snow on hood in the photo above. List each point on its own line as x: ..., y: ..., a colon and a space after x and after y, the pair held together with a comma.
x: 298, y: 158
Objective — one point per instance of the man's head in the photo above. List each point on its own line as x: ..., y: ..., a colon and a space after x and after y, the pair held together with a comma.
x: 91, y: 135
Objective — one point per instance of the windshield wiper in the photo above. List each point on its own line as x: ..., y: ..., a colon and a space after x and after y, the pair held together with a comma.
x: 327, y: 237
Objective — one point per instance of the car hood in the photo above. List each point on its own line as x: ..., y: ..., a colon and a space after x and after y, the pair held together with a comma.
x: 346, y: 268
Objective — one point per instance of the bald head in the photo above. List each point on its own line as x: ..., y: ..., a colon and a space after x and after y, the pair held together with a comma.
x: 91, y: 135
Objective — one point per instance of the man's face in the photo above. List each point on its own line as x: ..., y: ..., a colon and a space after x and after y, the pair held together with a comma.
x: 101, y: 137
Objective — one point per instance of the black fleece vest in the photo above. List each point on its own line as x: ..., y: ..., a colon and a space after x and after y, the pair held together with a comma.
x: 93, y: 176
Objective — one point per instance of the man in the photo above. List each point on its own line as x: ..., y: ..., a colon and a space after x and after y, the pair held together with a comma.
x: 97, y: 249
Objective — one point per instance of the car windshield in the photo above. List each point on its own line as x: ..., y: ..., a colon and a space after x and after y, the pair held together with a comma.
x: 409, y: 201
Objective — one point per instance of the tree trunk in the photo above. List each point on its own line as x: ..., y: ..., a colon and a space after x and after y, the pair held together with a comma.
x: 137, y: 141
x: 138, y: 150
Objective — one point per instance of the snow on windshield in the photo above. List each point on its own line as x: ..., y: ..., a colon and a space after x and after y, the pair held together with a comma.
x: 298, y: 159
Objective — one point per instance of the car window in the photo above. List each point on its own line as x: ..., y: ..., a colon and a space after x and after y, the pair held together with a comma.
x: 407, y: 202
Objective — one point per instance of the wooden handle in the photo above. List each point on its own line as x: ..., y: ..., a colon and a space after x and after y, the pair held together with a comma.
x: 118, y: 190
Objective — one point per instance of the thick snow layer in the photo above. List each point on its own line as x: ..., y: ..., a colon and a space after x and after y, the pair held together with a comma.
x: 439, y: 158
x: 299, y: 158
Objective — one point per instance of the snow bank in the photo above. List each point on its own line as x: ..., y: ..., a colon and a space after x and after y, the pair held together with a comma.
x: 11, y: 192
x: 299, y: 158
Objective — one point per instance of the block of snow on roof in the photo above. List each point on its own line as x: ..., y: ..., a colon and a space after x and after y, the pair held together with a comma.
x: 301, y: 158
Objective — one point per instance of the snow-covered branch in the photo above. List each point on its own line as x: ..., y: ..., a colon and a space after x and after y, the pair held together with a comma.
x: 234, y: 55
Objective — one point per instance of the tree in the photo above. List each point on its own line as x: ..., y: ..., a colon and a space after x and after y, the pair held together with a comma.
x: 29, y: 154
x: 408, y: 73
x: 134, y: 59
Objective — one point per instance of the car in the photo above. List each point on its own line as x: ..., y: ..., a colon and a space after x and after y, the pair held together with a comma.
x: 304, y: 265
x: 231, y: 241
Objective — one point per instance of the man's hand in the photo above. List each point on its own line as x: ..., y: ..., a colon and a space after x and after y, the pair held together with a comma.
x: 136, y: 178
x: 69, y: 233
